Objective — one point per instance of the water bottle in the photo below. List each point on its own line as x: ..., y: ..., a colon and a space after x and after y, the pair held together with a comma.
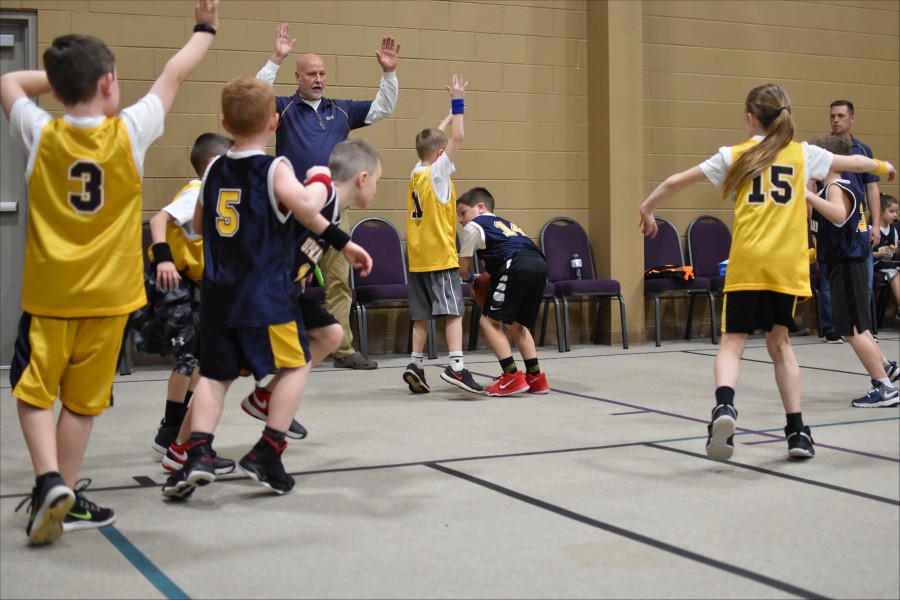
x: 575, y: 265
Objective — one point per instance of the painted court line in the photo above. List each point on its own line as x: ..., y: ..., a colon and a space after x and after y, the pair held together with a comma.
x: 633, y: 536
x: 144, y: 565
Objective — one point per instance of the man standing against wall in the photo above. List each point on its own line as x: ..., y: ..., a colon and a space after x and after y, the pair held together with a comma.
x: 310, y: 126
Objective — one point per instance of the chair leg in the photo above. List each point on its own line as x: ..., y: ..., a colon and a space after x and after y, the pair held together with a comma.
x: 690, y: 318
x: 818, y: 321
x: 544, y: 321
x: 714, y: 333
x: 600, y: 300
x: 872, y: 313
x: 363, y: 329
x: 622, y: 318
x: 565, y: 310
x: 656, y: 314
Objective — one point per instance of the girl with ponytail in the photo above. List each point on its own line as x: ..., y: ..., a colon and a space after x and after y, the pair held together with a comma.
x: 768, y: 266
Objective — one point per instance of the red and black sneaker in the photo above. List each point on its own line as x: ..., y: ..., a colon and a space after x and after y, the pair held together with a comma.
x: 256, y: 404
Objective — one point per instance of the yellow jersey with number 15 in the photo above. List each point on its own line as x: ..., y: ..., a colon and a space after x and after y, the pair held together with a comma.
x: 769, y: 247
x: 83, y: 251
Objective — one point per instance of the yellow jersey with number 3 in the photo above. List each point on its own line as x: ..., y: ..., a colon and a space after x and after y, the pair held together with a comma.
x: 769, y: 247
x: 83, y: 250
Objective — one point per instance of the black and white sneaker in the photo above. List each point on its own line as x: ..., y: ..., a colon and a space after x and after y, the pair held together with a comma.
x: 414, y: 377
x: 165, y: 435
x: 198, y: 470
x: 266, y: 469
x: 720, y: 443
x: 461, y: 379
x: 800, y: 443
x: 48, y: 506
x: 84, y: 514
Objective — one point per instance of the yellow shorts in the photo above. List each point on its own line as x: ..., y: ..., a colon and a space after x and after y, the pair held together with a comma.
x: 74, y: 359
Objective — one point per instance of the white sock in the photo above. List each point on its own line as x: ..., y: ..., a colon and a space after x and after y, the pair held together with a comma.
x: 456, y: 361
x: 418, y: 358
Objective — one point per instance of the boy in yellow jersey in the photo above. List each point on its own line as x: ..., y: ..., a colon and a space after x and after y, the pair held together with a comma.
x: 169, y: 324
x: 83, y: 265
x: 768, y: 266
x: 434, y: 284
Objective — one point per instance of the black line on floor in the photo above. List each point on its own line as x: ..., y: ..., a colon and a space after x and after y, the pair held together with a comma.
x: 828, y: 486
x: 769, y: 362
x: 631, y: 535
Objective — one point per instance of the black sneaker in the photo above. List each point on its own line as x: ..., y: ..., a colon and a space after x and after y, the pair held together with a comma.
x: 198, y: 470
x: 720, y: 443
x: 176, y: 456
x: 800, y: 443
x: 414, y: 377
x: 267, y: 471
x: 256, y: 404
x: 48, y: 506
x: 165, y: 435
x: 84, y: 514
x: 462, y: 379
x: 833, y: 338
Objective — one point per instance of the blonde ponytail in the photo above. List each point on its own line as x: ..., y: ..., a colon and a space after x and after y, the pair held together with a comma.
x: 772, y: 108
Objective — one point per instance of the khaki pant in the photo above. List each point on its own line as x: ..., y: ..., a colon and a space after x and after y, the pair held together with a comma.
x: 336, y: 272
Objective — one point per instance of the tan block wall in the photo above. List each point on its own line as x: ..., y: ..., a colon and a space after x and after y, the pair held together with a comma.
x: 527, y: 64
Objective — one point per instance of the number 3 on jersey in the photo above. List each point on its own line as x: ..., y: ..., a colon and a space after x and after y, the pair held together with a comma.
x: 228, y: 219
x: 778, y: 185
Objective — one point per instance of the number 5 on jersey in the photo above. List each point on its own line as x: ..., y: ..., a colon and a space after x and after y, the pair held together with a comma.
x: 228, y: 219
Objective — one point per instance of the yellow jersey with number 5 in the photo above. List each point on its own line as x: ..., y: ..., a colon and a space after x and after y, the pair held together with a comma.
x: 83, y: 250
x: 769, y: 247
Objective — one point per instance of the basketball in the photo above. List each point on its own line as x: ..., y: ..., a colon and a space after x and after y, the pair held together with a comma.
x: 480, y: 288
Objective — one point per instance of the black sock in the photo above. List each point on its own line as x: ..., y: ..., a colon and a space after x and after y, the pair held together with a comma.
x: 532, y: 366
x: 175, y: 412
x: 277, y: 436
x: 508, y: 365
x: 725, y: 395
x: 795, y: 421
x: 187, y: 398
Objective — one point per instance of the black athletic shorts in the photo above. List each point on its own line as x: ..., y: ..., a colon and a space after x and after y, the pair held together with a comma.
x: 747, y: 312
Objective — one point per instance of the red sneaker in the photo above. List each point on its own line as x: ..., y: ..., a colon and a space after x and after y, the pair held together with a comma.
x: 256, y: 403
x: 508, y: 384
x: 537, y: 384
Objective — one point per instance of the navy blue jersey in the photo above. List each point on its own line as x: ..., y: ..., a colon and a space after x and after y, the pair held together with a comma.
x: 307, y: 136
x: 248, y: 245
x: 836, y: 243
x: 502, y: 241
x: 311, y: 247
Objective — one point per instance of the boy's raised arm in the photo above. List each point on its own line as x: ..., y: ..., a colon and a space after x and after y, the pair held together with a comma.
x: 186, y: 60
x: 22, y: 84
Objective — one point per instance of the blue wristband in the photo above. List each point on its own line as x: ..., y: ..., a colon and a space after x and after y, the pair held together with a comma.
x: 457, y: 106
x: 471, y: 278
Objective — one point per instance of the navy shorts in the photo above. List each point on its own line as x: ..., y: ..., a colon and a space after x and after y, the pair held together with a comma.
x: 229, y: 352
x: 515, y: 295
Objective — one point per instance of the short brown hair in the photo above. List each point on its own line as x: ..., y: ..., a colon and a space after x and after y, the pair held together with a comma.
x: 247, y: 105
x: 430, y: 140
x: 475, y: 196
x: 74, y: 64
x: 834, y: 144
x: 351, y: 157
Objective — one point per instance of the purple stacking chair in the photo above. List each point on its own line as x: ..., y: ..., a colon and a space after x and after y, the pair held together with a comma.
x: 386, y: 285
x: 561, y: 237
x: 665, y: 249
x: 708, y: 244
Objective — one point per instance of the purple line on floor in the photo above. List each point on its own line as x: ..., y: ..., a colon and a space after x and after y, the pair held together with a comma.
x: 631, y: 412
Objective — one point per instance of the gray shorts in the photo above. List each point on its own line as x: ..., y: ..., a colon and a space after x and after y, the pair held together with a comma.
x: 435, y: 294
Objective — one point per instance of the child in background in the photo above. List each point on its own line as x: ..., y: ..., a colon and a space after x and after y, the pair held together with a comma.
x: 170, y: 322
x: 518, y: 276
x: 355, y: 170
x: 889, y: 248
x: 434, y: 288
x: 837, y: 219
x: 250, y: 319
x: 84, y: 216
x: 768, y: 265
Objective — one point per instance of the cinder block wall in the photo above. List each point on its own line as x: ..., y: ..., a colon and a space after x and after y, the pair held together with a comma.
x: 527, y: 106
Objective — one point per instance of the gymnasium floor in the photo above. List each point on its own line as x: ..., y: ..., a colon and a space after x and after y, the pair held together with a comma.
x: 600, y: 489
